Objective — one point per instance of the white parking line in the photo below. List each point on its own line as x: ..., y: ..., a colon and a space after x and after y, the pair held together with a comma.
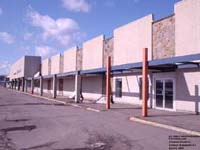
x: 155, y: 124
x: 92, y: 109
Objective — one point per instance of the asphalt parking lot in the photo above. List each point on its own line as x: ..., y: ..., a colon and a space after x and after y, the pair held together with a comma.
x: 28, y: 123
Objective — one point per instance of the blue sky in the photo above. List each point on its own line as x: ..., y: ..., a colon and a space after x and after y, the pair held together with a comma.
x: 46, y: 27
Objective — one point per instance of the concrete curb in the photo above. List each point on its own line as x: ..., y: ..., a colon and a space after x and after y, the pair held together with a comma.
x: 155, y: 124
x: 42, y: 97
x: 54, y: 100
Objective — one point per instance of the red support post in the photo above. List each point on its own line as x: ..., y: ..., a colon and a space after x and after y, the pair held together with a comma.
x: 108, y: 89
x: 145, y: 82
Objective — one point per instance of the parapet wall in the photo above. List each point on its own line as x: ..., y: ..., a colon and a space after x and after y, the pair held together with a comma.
x: 92, y: 54
x: 56, y: 64
x: 70, y: 59
x: 17, y: 69
x: 187, y: 24
x: 130, y: 39
x: 46, y: 67
x: 27, y: 66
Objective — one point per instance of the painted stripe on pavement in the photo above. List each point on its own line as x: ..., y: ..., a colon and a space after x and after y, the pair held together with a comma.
x: 92, y: 109
x: 178, y: 129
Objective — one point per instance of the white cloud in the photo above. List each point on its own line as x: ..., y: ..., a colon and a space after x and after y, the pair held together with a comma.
x: 28, y: 36
x: 7, y: 38
x: 1, y: 11
x: 76, y: 5
x: 5, y: 67
x: 4, y: 64
x: 26, y: 48
x: 61, y: 30
x: 44, y: 51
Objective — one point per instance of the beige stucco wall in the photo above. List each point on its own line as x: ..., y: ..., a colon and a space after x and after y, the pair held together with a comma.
x: 69, y: 86
x: 56, y: 64
x: 70, y: 59
x: 187, y: 89
x: 130, y: 89
x: 45, y: 67
x: 17, y: 69
x: 45, y: 87
x: 92, y: 54
x: 130, y: 39
x: 92, y: 87
x: 187, y: 25
x: 27, y: 66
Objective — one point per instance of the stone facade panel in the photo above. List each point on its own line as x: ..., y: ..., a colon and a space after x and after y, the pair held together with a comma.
x: 79, y: 59
x: 164, y: 38
x: 108, y: 50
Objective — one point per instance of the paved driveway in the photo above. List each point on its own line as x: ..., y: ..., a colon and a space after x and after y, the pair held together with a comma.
x: 32, y: 123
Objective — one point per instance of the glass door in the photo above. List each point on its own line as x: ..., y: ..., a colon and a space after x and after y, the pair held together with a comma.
x: 159, y: 93
x: 169, y: 94
x: 164, y: 93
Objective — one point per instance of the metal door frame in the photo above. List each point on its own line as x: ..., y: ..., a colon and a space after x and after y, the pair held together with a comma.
x: 174, y: 93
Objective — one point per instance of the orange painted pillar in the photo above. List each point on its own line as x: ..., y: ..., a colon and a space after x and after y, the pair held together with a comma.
x: 145, y: 82
x: 108, y: 89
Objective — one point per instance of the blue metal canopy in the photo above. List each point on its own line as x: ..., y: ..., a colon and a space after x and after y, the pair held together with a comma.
x: 174, y: 60
x: 165, y: 64
x: 65, y: 74
x: 94, y: 71
x: 48, y: 77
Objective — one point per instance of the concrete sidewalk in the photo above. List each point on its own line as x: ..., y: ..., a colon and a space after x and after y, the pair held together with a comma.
x: 184, y: 120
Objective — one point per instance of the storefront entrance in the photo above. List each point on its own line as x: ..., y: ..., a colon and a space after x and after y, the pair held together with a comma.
x: 164, y: 93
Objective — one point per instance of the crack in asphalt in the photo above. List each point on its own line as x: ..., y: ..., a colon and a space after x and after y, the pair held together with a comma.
x: 39, y: 146
x: 17, y: 120
x: 26, y: 128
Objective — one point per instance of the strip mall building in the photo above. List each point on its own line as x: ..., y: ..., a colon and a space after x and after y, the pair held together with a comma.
x: 173, y: 61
